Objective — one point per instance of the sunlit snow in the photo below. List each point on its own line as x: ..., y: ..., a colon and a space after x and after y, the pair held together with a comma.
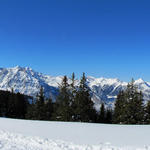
x: 43, y: 135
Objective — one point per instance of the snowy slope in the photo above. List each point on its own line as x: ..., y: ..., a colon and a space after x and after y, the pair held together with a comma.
x: 28, y: 81
x: 104, y: 89
x: 43, y: 135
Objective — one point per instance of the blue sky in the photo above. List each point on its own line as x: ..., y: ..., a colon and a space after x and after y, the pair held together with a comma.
x: 57, y: 37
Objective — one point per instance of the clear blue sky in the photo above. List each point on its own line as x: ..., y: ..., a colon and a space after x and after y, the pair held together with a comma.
x: 109, y: 38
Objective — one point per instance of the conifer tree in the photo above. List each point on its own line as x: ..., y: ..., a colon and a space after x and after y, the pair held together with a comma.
x: 147, y: 113
x: 63, y: 102
x: 129, y: 108
x: 109, y: 114
x: 3, y: 103
x: 31, y: 112
x: 135, y: 107
x: 48, y: 109
x: 13, y: 105
x: 120, y: 108
x: 11, y: 112
x: 39, y: 106
x: 84, y: 107
x: 73, y: 89
x: 102, y: 114
x: 72, y: 85
x: 73, y: 92
x: 20, y: 106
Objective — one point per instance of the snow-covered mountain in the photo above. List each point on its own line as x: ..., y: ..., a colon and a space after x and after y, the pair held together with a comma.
x: 106, y: 90
x: 27, y: 81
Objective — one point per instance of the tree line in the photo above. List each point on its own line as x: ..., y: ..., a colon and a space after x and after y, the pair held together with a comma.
x: 74, y: 103
x: 130, y: 107
x: 13, y: 105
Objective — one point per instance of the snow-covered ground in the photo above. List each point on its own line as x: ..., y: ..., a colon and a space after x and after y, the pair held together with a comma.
x: 44, y: 135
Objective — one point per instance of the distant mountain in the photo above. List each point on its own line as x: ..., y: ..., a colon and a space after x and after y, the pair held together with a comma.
x: 106, y: 90
x: 27, y: 81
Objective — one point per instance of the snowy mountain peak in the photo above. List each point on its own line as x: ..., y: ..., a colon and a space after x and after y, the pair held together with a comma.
x: 19, y: 68
x: 27, y: 81
x: 16, y: 68
x: 139, y: 81
x: 103, y: 81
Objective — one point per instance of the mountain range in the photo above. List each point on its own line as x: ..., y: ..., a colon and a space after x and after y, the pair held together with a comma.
x: 27, y: 81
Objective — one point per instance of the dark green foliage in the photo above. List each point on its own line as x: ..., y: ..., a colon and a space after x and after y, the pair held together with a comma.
x: 72, y: 85
x: 48, y: 109
x: 120, y: 108
x: 31, y: 112
x: 72, y: 88
x: 83, y: 106
x: 147, y: 113
x: 73, y: 92
x: 102, y: 114
x: 11, y: 112
x: 109, y: 114
x: 13, y: 105
x: 38, y: 108
x: 21, y: 106
x: 4, y: 96
x: 105, y: 115
x: 129, y: 107
x: 63, y: 102
x: 74, y: 104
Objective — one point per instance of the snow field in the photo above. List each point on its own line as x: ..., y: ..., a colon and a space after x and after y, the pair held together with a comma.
x: 46, y: 135
x: 12, y: 141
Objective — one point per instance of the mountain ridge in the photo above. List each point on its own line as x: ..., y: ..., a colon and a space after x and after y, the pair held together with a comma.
x: 27, y: 81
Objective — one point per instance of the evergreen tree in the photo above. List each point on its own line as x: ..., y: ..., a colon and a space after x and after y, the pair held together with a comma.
x: 31, y: 112
x: 72, y: 85
x: 20, y: 106
x: 73, y: 92
x: 120, y: 108
x: 4, y: 103
x: 84, y: 107
x: 109, y: 114
x: 135, y: 107
x: 48, y: 109
x: 63, y: 102
x: 102, y: 114
x: 129, y: 107
x: 73, y: 89
x: 147, y: 113
x: 11, y: 112
x: 39, y: 106
x: 13, y: 105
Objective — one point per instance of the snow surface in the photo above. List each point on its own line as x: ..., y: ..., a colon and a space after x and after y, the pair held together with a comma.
x: 43, y: 135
